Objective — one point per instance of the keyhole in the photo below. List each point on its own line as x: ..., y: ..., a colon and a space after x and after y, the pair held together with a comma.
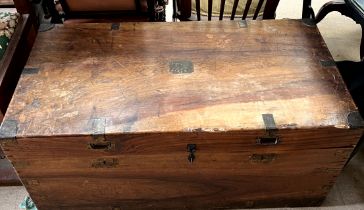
x: 191, y: 149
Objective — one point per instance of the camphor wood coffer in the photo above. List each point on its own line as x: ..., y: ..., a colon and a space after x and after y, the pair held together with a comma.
x: 192, y: 115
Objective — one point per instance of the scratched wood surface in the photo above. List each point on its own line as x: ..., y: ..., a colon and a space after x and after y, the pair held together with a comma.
x: 238, y: 74
x: 154, y: 88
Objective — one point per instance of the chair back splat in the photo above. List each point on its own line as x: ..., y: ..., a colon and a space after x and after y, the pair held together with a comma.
x: 268, y: 12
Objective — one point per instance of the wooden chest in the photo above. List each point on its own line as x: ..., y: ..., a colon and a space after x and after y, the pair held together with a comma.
x: 193, y: 115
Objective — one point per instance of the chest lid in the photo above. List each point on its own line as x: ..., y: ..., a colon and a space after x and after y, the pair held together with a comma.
x: 178, y: 77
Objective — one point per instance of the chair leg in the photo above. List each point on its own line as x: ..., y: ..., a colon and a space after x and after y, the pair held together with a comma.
x: 51, y: 7
x: 151, y: 14
x: 307, y: 11
x: 362, y: 43
x: 337, y: 5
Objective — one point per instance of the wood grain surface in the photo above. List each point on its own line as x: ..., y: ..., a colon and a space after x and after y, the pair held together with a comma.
x: 131, y: 91
x: 239, y: 74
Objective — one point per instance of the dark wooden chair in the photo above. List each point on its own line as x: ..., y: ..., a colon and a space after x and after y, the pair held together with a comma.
x: 353, y: 9
x: 16, y: 53
x: 11, y: 66
x: 352, y: 72
x: 350, y: 8
x: 182, y: 10
x: 107, y: 10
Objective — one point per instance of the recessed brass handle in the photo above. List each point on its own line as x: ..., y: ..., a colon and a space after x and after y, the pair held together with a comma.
x: 103, y: 145
x: 268, y: 140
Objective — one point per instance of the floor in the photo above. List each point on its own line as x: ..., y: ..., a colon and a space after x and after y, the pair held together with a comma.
x: 342, y: 37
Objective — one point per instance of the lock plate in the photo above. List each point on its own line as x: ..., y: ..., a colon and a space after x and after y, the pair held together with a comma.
x: 191, y: 149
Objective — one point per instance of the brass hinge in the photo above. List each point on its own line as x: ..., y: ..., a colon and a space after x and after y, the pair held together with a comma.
x: 327, y: 63
x: 99, y: 141
x: 8, y: 131
x: 355, y: 120
x: 30, y: 70
x: 271, y: 137
x: 2, y: 155
x: 181, y: 67
x: 243, y: 24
